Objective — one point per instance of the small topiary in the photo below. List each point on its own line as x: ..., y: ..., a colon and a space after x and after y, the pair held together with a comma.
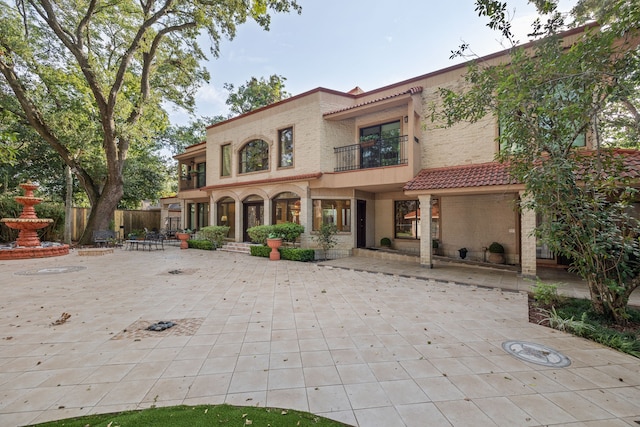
x: 496, y: 248
x: 385, y: 242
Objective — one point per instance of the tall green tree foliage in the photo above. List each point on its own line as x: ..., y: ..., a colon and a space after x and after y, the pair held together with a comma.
x: 90, y: 76
x: 547, y: 98
x: 255, y: 93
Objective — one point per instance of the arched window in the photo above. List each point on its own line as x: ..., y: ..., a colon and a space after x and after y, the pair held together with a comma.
x: 254, y: 156
x: 286, y: 208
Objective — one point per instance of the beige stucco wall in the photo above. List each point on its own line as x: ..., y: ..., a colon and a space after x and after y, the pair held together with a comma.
x: 475, y: 221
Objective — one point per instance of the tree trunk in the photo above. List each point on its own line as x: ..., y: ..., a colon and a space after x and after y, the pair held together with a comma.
x: 102, y: 211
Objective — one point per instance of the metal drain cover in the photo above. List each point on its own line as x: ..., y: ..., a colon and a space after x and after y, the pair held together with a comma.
x: 536, y: 353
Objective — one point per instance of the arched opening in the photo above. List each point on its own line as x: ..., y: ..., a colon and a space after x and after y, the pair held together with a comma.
x: 227, y: 214
x: 252, y: 215
x: 286, y: 208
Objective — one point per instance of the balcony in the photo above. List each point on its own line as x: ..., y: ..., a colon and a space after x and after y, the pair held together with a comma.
x: 372, y: 154
x: 193, y: 179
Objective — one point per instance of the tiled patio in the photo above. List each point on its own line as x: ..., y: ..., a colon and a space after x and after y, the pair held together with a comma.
x: 365, y: 348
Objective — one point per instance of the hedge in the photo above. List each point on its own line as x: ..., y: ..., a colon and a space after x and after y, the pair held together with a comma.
x: 262, y: 251
x: 297, y: 254
x: 207, y: 245
x: 291, y: 254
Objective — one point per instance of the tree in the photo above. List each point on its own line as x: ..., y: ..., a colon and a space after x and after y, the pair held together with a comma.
x: 547, y: 98
x: 90, y: 77
x: 255, y: 94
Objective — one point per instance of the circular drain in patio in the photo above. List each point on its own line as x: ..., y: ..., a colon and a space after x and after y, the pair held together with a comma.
x: 536, y: 353
x: 51, y: 270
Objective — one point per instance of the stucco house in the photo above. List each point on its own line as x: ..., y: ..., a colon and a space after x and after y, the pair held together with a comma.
x: 369, y: 162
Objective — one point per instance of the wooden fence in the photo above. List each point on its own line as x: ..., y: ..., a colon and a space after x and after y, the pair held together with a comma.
x: 124, y: 221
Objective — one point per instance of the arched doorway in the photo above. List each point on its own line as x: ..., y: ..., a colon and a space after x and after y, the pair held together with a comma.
x: 252, y: 215
x: 227, y: 214
x: 286, y: 208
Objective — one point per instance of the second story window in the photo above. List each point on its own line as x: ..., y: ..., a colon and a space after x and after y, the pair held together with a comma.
x: 285, y: 147
x: 225, y: 155
x: 254, y: 156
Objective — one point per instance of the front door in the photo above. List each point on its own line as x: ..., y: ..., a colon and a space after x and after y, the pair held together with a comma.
x: 362, y: 224
x: 253, y: 215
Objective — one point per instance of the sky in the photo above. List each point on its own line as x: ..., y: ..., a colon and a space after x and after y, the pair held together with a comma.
x: 341, y: 44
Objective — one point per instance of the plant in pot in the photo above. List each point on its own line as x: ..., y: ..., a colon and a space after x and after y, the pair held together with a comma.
x: 368, y: 141
x: 274, y: 241
x: 183, y: 236
x: 435, y: 244
x: 385, y: 242
x: 496, y: 253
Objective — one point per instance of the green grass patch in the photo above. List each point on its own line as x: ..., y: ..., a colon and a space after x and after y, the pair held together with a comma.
x: 200, y: 416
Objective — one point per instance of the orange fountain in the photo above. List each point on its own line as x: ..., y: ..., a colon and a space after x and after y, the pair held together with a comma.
x: 28, y: 243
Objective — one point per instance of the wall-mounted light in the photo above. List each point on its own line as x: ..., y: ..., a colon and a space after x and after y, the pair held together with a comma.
x: 406, y: 119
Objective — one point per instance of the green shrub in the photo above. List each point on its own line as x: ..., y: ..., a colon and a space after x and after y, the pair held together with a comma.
x: 259, y: 233
x: 215, y: 234
x: 261, y: 251
x: 326, y: 237
x: 496, y: 248
x: 298, y: 254
x: 201, y: 244
x: 385, y: 242
x: 546, y: 294
x: 288, y: 231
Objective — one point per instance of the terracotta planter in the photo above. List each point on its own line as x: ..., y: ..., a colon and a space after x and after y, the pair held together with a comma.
x: 496, y: 258
x: 274, y: 244
x: 183, y: 237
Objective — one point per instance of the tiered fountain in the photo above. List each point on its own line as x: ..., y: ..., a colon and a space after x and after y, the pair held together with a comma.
x: 28, y: 245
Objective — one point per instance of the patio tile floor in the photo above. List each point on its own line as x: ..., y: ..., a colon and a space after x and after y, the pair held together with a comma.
x: 363, y: 341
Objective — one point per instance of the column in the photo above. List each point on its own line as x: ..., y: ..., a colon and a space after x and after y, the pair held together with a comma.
x: 425, y: 231
x: 527, y: 241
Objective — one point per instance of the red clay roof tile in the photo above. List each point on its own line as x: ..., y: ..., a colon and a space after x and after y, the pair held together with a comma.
x: 493, y: 174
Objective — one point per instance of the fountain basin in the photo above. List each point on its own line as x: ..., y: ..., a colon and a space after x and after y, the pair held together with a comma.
x: 34, y: 252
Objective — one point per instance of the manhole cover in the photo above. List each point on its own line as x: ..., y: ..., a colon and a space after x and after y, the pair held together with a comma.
x: 51, y: 270
x: 536, y: 353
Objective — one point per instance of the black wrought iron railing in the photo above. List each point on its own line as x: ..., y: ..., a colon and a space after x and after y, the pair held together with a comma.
x: 372, y: 154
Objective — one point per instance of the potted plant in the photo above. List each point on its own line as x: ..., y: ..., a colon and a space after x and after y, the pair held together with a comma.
x: 496, y: 253
x: 434, y: 246
x: 274, y: 241
x: 385, y: 242
x: 368, y: 141
x: 183, y: 236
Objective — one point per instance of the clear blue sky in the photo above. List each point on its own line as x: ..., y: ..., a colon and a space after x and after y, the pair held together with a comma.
x: 340, y: 44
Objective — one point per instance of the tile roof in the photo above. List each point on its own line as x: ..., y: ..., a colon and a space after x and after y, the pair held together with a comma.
x: 494, y: 174
x: 475, y: 175
x: 410, y: 91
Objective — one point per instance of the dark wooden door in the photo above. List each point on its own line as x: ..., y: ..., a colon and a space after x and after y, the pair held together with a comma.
x: 361, y: 214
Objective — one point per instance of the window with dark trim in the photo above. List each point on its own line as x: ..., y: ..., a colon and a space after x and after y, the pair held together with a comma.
x: 407, y: 219
x: 331, y: 211
x: 254, y: 156
x: 225, y: 160
x: 285, y: 147
x: 380, y: 145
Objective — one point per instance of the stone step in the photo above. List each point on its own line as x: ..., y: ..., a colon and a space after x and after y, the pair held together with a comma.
x: 237, y: 247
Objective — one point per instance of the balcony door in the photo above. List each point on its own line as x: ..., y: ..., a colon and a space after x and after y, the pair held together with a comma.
x: 380, y: 145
